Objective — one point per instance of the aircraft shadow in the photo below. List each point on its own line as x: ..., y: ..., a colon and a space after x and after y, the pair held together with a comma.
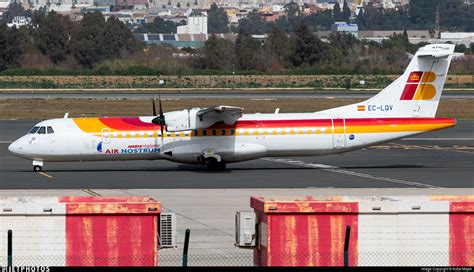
x: 203, y: 170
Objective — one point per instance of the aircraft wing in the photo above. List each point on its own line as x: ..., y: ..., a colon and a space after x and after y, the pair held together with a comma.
x: 227, y: 114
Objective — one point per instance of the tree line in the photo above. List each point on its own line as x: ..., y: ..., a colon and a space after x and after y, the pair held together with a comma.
x: 304, y: 51
x: 102, y: 46
x: 55, y: 39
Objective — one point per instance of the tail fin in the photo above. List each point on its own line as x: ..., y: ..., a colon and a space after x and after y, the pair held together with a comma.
x: 414, y: 94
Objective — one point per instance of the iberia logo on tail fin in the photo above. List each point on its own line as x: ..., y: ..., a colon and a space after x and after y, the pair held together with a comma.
x: 418, y: 86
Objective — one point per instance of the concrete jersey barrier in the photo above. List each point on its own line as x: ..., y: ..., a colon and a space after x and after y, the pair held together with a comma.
x: 80, y: 231
x: 385, y: 231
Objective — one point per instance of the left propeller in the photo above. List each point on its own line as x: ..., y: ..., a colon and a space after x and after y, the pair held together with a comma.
x: 160, y: 119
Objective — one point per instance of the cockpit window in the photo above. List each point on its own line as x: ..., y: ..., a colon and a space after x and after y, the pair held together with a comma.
x: 34, y: 130
x: 42, y: 130
x: 50, y: 130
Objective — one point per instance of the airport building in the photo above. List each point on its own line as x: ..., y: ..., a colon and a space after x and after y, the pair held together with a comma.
x: 385, y: 3
x: 180, y: 40
x: 414, y: 36
x: 345, y: 28
x: 197, y: 24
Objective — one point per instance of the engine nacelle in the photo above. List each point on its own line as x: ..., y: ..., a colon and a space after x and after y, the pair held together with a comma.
x: 185, y: 120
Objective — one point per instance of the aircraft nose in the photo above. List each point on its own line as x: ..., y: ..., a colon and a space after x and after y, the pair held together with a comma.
x: 14, y: 147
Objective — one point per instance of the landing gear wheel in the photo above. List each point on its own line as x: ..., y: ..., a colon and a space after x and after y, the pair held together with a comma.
x: 221, y: 165
x: 214, y: 165
x: 36, y: 168
x: 211, y: 164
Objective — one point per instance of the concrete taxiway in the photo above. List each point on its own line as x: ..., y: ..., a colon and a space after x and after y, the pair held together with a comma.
x: 443, y: 159
x: 438, y: 163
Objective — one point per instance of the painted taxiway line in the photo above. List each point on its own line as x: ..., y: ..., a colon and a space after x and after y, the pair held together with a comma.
x: 90, y: 192
x: 6, y: 142
x: 46, y: 175
x: 458, y: 149
x: 335, y: 169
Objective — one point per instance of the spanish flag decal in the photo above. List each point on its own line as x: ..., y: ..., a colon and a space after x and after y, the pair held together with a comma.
x: 361, y: 108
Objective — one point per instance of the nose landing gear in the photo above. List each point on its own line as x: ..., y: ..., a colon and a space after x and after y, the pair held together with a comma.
x: 37, y: 165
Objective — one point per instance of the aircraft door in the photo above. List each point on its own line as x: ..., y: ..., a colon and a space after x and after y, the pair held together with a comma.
x: 106, y: 136
x: 339, y: 132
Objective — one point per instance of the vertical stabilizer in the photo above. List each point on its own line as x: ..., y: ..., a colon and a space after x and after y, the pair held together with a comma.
x: 414, y: 94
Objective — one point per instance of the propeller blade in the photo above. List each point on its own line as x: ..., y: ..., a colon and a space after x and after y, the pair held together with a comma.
x: 160, y: 119
x: 162, y: 136
x: 161, y: 108
x: 154, y: 107
x: 162, y: 122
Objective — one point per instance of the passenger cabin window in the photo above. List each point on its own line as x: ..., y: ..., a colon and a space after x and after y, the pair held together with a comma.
x: 214, y: 132
x: 223, y: 132
x: 204, y: 132
x: 232, y: 131
x: 34, y: 130
x: 50, y: 130
x: 42, y: 130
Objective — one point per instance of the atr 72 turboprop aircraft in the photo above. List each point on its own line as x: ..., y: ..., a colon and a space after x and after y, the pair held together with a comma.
x: 218, y: 135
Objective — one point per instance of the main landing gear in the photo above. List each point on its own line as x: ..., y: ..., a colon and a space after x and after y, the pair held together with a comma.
x: 214, y: 165
x: 36, y: 168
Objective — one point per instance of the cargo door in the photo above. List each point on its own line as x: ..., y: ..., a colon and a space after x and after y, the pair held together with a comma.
x: 339, y: 132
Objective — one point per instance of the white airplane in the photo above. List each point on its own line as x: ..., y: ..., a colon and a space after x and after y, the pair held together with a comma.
x: 219, y: 135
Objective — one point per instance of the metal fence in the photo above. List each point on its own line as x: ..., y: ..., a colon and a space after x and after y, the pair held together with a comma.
x: 247, y: 258
x: 408, y: 246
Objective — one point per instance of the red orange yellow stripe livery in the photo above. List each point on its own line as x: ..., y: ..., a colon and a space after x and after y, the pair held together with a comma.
x: 353, y: 125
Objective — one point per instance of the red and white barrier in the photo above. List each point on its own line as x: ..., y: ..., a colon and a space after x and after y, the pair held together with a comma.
x: 385, y: 231
x: 80, y: 231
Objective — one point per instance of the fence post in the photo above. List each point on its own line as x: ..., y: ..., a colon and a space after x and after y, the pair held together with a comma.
x: 185, y: 248
x: 346, y: 246
x: 9, y: 249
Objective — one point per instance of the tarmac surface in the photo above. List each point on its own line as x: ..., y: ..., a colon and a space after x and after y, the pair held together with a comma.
x: 443, y: 159
x: 438, y: 163
x: 199, y: 94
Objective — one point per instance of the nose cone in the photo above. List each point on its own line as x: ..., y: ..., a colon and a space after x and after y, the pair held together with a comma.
x: 14, y: 148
